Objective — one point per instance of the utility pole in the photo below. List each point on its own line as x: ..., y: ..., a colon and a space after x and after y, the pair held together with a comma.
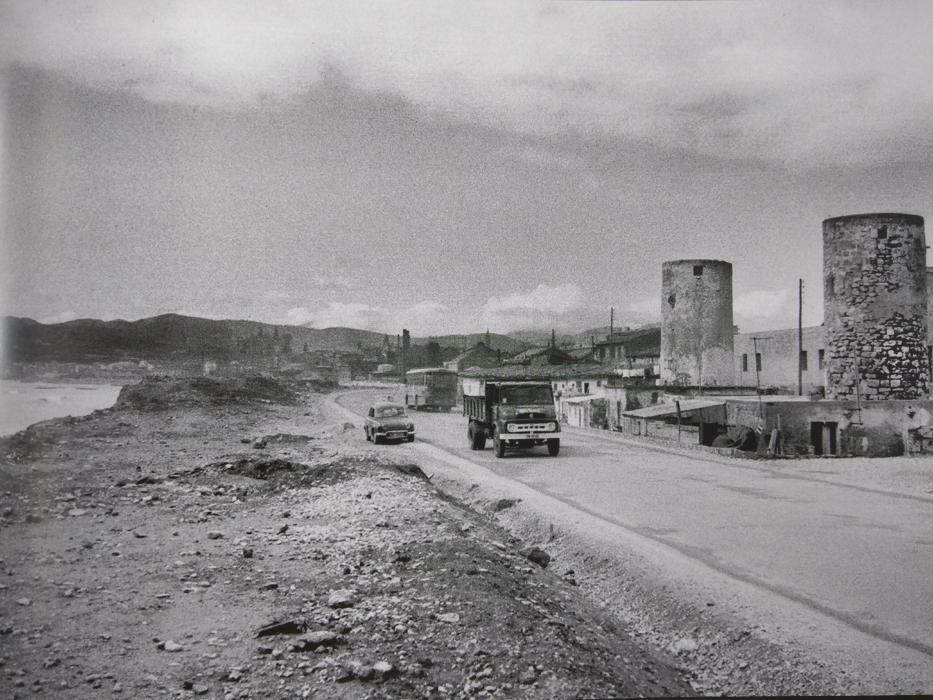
x: 800, y: 339
x: 755, y: 340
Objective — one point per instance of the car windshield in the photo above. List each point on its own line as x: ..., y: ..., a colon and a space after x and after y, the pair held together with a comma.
x: 390, y: 411
x: 526, y: 395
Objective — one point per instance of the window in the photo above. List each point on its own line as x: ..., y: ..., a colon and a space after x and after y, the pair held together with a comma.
x: 803, y: 359
x: 586, y: 387
x: 757, y: 361
x: 744, y: 361
x: 821, y: 357
x: 697, y: 270
x: 882, y: 232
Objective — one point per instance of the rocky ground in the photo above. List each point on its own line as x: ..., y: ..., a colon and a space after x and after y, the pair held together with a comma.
x: 221, y: 539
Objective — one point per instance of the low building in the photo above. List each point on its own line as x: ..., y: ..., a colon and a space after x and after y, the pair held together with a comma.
x: 480, y: 355
x: 630, y: 348
x: 769, y: 359
x: 780, y: 425
x: 686, y: 421
x: 549, y: 355
x: 583, y: 411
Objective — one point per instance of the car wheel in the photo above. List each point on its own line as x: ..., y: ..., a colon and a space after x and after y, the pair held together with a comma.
x: 553, y: 447
x: 376, y: 439
x: 411, y: 438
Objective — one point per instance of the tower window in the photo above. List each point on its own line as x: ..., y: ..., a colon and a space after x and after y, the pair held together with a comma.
x: 697, y: 270
x: 821, y: 357
x: 882, y: 232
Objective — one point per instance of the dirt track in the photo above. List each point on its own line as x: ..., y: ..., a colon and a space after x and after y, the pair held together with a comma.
x: 150, y: 550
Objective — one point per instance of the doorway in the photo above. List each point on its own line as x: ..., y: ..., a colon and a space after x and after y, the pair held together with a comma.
x: 823, y: 436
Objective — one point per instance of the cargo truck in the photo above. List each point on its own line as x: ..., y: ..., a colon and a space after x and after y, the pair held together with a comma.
x: 514, y: 413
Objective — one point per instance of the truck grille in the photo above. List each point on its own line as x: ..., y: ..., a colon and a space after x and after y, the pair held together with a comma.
x: 530, y: 428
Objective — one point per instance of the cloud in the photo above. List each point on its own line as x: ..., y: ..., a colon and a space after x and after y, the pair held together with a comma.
x: 807, y: 82
x: 422, y: 319
x: 546, y: 306
x: 543, y: 307
x: 760, y: 306
x: 537, y: 156
x: 647, y: 310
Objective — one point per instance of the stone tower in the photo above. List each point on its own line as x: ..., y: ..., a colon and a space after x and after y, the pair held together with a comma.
x: 696, y: 323
x: 875, y: 307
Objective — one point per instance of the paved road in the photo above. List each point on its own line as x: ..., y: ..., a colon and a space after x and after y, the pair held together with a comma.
x: 861, y: 556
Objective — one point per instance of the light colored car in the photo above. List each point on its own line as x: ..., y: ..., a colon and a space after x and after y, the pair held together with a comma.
x: 388, y: 421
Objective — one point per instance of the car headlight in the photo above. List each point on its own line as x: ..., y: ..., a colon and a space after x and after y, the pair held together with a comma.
x: 550, y: 427
x: 411, y: 426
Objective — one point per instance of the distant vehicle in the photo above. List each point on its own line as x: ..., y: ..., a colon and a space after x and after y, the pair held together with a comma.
x: 432, y: 389
x: 388, y: 421
x: 512, y: 413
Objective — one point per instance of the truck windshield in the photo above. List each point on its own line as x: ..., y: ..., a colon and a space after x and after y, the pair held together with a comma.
x: 526, y: 395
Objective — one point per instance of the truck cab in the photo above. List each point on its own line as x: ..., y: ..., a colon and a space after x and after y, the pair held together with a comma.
x: 515, y: 414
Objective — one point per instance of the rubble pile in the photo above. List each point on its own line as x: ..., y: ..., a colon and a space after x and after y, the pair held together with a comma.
x: 207, y: 551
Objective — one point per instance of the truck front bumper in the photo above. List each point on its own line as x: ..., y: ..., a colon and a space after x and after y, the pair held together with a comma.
x: 536, y: 437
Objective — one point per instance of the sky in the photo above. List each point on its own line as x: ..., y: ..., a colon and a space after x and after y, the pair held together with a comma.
x: 446, y: 167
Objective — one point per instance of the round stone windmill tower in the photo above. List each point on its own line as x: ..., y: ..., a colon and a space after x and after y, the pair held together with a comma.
x: 875, y: 307
x: 696, y: 323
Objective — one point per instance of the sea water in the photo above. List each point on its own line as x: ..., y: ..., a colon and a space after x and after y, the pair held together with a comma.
x: 25, y: 403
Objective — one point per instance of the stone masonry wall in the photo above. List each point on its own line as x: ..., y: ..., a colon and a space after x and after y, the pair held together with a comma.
x: 875, y: 306
x: 696, y: 322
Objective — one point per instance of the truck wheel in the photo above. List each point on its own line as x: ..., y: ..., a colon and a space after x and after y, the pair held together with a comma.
x: 499, y: 445
x: 553, y: 446
x: 477, y: 437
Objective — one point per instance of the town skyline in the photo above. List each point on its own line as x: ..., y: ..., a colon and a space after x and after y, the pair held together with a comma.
x: 447, y: 169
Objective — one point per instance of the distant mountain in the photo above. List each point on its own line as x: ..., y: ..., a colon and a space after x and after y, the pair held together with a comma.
x: 176, y: 337
x: 540, y: 338
x: 497, y: 341
x: 167, y: 337
x: 602, y: 332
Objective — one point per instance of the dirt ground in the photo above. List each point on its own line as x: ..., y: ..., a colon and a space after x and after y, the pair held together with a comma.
x: 220, y: 539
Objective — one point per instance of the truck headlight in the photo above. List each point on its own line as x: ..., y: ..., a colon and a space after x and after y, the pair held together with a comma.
x: 550, y: 427
x: 513, y: 427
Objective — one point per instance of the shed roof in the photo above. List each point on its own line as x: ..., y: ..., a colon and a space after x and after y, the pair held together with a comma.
x: 543, y: 372
x: 669, y: 409
x: 582, y: 399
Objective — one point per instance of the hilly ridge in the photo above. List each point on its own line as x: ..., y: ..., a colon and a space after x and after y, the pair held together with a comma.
x: 178, y: 337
